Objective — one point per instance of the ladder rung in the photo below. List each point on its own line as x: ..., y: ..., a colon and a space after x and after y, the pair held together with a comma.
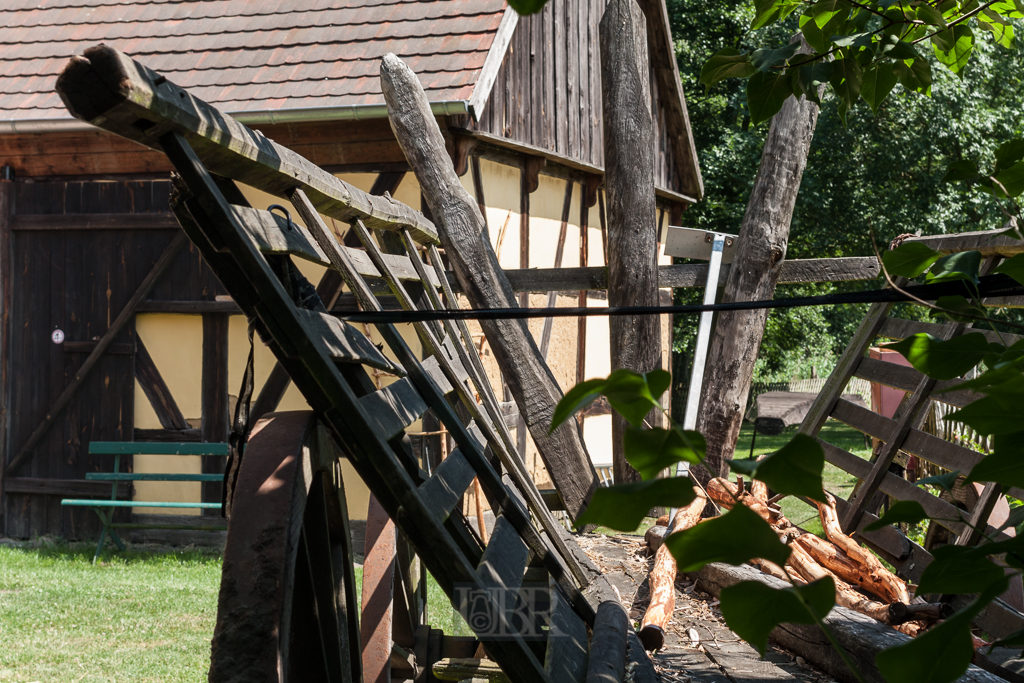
x: 393, y: 408
x: 906, y: 378
x: 433, y: 369
x: 863, y: 420
x: 347, y: 344
x: 273, y: 235
x: 443, y: 490
x: 504, y: 559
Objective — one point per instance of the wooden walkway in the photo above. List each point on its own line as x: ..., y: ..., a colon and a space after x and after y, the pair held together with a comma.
x: 717, y: 655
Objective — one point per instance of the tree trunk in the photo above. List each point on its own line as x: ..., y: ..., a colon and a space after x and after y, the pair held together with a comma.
x: 635, y: 341
x: 761, y: 247
x: 460, y: 228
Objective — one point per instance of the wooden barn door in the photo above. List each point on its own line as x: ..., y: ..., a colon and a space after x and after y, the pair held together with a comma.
x: 78, y: 252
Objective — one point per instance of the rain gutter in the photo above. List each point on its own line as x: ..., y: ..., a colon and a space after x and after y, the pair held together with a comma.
x: 353, y: 112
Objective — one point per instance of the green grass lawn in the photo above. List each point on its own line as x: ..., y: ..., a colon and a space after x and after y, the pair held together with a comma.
x: 134, y: 616
x: 836, y: 481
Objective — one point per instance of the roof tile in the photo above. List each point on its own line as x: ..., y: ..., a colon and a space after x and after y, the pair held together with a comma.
x: 249, y: 54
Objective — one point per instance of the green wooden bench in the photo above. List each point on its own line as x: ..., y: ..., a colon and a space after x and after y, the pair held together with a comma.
x: 105, y: 508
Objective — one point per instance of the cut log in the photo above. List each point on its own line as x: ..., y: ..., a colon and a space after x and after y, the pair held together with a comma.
x: 662, y: 579
x: 460, y: 227
x: 632, y: 215
x: 877, y: 577
x: 761, y: 248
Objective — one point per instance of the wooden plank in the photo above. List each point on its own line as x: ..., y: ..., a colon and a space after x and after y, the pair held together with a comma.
x: 171, y: 435
x: 157, y: 448
x: 126, y: 314
x: 504, y: 560
x: 63, y: 487
x: 443, y: 491
x: 215, y: 401
x: 629, y: 180
x: 474, y: 262
x: 863, y: 420
x: 433, y: 370
x: 988, y: 242
x: 565, y: 657
x: 897, y: 328
x: 393, y: 408
x: 189, y: 307
x: 906, y: 378
x: 112, y: 91
x: 275, y: 235
x: 95, y: 221
x: 345, y: 343
x: 156, y: 390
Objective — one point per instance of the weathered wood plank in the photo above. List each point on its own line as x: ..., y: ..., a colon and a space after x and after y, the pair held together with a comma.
x: 215, y: 401
x: 632, y: 212
x: 394, y: 407
x: 565, y: 657
x: 476, y: 266
x: 897, y: 328
x: 906, y: 378
x: 75, y: 488
x: 345, y: 343
x: 504, y: 560
x: 94, y: 221
x: 988, y: 242
x: 110, y: 90
x: 442, y: 492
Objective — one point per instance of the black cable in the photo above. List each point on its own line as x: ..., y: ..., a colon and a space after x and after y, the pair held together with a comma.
x: 990, y: 286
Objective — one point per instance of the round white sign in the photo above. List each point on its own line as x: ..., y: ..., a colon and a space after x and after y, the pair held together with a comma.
x: 57, y: 336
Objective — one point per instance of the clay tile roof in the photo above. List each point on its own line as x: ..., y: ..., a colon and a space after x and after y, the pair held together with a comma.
x: 249, y: 55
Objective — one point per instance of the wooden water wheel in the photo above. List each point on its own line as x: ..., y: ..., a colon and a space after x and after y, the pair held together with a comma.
x: 287, y: 609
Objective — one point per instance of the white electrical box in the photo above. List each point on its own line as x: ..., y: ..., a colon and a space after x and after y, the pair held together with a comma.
x: 696, y: 244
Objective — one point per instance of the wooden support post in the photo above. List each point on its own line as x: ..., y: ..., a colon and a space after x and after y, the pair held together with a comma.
x: 478, y: 188
x: 126, y: 314
x: 761, y: 248
x: 581, y: 323
x: 377, y: 609
x: 629, y: 180
x: 6, y: 196
x: 215, y: 402
x: 484, y: 283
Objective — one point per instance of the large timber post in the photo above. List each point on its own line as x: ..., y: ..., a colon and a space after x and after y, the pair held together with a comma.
x: 632, y: 216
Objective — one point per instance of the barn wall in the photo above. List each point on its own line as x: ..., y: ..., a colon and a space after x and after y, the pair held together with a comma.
x: 547, y: 93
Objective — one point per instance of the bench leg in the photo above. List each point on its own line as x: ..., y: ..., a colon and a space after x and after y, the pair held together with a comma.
x: 106, y: 519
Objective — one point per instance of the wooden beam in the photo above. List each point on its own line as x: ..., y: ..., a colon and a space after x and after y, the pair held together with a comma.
x: 476, y: 266
x: 156, y: 390
x: 95, y: 221
x: 106, y: 340
x: 168, y: 435
x: 988, y: 242
x: 216, y: 424
x: 635, y: 341
x: 110, y: 90
x: 478, y: 188
x: 72, y: 488
x: 754, y: 275
x: 6, y: 208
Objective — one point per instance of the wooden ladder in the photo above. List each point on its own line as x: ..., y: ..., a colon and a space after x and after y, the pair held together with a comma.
x: 251, y: 250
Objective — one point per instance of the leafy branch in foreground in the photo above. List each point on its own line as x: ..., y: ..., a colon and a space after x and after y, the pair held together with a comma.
x: 861, y: 49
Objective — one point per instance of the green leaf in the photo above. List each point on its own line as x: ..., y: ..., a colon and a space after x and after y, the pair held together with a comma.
x: 727, y: 63
x: 765, y: 58
x: 752, y: 609
x: 1012, y: 179
x: 1004, y: 466
x: 953, y: 46
x: 909, y: 260
x: 650, y: 451
x: 624, y: 506
x: 808, y: 78
x: 1014, y: 267
x: 905, y: 511
x: 633, y: 395
x: 765, y: 95
x: 1000, y: 28
x: 846, y: 81
x: 527, y: 7
x: 943, y: 481
x: 769, y: 11
x: 575, y: 400
x: 943, y: 359
x: 960, y: 170
x: 939, y: 655
x: 957, y: 569
x: 795, y: 469
x: 915, y: 75
x: 822, y: 20
x: 958, y: 309
x: 962, y: 265
x: 990, y: 415
x: 1014, y: 640
x: 1009, y: 153
x: 930, y: 15
x: 879, y: 80
x: 899, y: 49
x: 734, y: 538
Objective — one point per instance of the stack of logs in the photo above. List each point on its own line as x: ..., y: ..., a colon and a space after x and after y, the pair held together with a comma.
x: 881, y: 594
